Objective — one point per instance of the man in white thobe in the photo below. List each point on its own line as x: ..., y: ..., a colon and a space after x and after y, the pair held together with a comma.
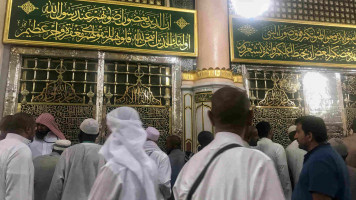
x: 277, y: 153
x: 238, y: 173
x: 78, y: 166
x: 47, y: 134
x: 295, y: 156
x: 44, y: 168
x: 16, y: 167
x: 129, y: 173
x: 162, y: 161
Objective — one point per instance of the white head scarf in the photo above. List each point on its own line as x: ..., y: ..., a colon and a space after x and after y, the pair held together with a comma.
x: 125, y: 147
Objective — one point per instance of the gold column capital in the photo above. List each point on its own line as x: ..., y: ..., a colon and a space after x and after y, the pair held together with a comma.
x: 211, y: 73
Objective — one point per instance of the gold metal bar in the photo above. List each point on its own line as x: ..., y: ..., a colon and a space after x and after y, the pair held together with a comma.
x: 256, y: 85
x: 149, y: 74
x: 48, y: 67
x: 264, y: 75
x: 115, y: 82
x: 34, y: 78
x: 168, y: 72
x: 127, y: 75
x: 85, y: 76
x: 160, y: 81
x: 73, y: 74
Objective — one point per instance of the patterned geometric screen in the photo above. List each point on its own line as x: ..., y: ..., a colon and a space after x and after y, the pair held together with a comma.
x: 276, y: 97
x: 145, y: 87
x: 63, y: 87
x: 349, y: 94
x: 275, y: 88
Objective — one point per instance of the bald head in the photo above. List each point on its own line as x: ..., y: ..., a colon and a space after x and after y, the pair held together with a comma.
x: 230, y: 106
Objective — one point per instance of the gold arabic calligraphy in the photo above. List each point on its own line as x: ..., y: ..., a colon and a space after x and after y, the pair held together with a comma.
x: 284, y: 50
x: 306, y: 43
x: 309, y: 34
x: 93, y: 24
x: 106, y: 15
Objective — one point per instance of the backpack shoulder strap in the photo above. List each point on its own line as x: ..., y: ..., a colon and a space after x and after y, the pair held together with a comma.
x: 202, y: 174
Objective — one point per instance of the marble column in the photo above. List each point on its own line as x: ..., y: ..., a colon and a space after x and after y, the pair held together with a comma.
x: 213, y: 57
x: 213, y: 34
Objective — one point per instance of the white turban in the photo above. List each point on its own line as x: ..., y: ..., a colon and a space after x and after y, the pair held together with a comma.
x: 90, y: 126
x: 125, y: 147
x: 61, y: 145
x: 152, y: 134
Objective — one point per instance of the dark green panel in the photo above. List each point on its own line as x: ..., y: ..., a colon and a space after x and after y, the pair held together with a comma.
x: 293, y: 42
x: 108, y: 25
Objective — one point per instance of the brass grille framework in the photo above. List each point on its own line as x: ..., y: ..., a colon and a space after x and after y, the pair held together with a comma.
x: 123, y: 76
x: 63, y: 87
x: 145, y: 87
x: 276, y: 97
x: 349, y: 96
x: 55, y: 80
x: 74, y: 85
x: 275, y: 88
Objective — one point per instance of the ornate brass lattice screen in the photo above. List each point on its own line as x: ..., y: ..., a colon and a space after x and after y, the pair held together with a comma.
x: 276, y: 97
x: 275, y: 88
x: 76, y: 84
x: 349, y: 95
x: 145, y: 87
x: 61, y: 86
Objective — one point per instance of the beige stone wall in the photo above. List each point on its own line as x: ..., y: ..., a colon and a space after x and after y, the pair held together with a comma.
x: 4, y: 56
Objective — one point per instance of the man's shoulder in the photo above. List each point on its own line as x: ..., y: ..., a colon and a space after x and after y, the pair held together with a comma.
x: 14, y: 145
x: 159, y: 153
x: 253, y: 153
x: 238, y: 153
x: 85, y: 146
x: 176, y: 153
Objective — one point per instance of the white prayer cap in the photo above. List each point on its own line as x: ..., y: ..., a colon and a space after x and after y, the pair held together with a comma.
x: 61, y: 145
x: 292, y: 128
x: 152, y: 133
x: 339, y: 146
x: 90, y: 126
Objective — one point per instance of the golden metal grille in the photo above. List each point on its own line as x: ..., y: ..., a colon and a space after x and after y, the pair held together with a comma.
x: 145, y: 87
x: 63, y: 87
x: 155, y: 116
x: 280, y: 120
x: 70, y: 112
x: 56, y: 80
x: 126, y: 76
x: 275, y: 88
x: 349, y: 96
x: 313, y: 10
x: 276, y: 97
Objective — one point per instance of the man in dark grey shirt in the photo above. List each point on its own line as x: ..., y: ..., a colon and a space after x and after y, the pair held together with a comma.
x: 176, y: 156
x: 44, y: 168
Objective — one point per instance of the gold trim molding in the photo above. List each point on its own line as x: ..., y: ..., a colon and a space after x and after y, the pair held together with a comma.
x: 211, y: 73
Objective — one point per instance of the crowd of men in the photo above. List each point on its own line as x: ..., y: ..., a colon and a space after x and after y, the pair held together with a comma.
x: 240, y: 162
